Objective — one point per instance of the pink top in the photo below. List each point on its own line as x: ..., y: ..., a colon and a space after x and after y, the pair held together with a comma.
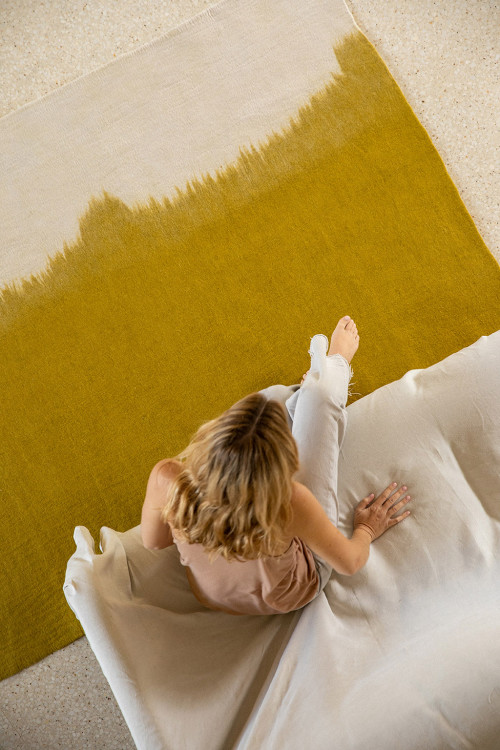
x: 266, y: 586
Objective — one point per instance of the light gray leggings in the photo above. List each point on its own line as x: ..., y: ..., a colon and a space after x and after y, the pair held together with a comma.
x: 317, y: 416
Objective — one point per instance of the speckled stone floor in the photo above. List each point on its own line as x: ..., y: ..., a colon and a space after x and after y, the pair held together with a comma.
x: 445, y: 57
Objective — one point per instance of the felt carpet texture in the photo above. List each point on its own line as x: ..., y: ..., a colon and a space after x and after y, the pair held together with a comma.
x: 160, y: 315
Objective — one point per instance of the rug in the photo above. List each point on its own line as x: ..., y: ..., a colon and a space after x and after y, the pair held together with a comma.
x: 176, y: 226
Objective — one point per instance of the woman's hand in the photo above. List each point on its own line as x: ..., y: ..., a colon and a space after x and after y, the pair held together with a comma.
x: 376, y: 516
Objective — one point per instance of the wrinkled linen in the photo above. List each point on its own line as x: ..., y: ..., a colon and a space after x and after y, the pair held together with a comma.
x: 404, y: 654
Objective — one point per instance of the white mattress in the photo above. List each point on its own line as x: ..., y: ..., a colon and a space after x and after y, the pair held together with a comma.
x: 404, y: 655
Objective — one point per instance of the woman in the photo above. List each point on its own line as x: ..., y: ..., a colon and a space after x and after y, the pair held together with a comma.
x: 251, y: 503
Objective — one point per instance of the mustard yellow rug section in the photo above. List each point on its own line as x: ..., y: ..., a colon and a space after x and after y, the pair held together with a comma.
x: 162, y: 315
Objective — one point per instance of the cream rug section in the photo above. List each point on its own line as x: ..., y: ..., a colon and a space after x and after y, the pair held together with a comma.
x: 243, y: 70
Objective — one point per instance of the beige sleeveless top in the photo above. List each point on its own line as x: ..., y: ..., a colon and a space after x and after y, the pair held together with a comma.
x: 267, y: 586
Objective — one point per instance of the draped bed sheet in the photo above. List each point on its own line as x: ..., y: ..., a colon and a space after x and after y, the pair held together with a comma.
x: 404, y: 654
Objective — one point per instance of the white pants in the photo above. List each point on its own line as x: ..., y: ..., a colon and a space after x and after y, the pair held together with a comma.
x: 317, y: 416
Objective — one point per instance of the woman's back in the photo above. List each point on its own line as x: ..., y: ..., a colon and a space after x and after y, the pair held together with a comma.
x: 263, y: 586
x: 266, y: 585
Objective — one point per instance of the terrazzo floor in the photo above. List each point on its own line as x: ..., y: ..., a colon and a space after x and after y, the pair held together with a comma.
x: 445, y: 56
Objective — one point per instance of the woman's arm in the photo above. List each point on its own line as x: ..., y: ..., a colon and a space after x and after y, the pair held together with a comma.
x: 372, y: 518
x: 312, y: 525
x: 154, y: 533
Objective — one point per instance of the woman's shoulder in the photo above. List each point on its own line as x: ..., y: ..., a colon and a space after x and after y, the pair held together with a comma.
x: 166, y: 470
x: 300, y: 493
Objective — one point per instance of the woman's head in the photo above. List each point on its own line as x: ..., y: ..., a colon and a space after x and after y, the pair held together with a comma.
x: 233, y: 494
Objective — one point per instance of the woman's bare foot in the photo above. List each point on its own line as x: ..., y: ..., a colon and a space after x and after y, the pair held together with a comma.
x: 345, y: 339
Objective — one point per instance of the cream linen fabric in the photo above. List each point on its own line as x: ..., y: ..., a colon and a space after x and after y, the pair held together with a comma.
x: 405, y: 654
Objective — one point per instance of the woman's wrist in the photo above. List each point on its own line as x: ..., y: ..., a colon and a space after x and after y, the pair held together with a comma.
x: 366, y: 529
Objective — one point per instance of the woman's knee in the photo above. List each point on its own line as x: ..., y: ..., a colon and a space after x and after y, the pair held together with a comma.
x: 323, y: 395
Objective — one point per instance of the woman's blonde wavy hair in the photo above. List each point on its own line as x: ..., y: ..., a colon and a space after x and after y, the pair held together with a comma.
x: 233, y: 494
